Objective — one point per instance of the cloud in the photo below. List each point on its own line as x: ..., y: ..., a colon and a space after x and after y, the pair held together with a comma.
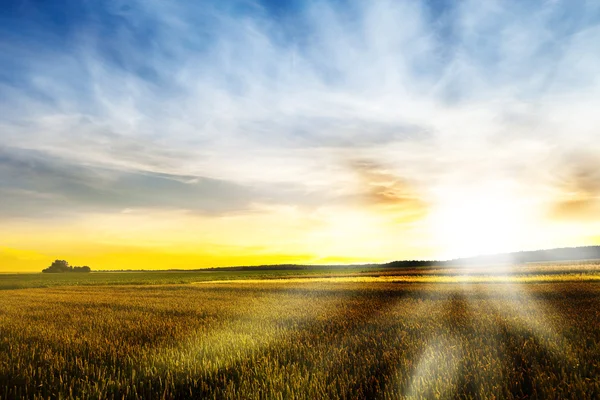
x: 389, y: 193
x: 579, y: 189
x: 38, y: 185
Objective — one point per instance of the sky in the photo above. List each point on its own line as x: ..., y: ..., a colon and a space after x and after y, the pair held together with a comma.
x: 186, y: 134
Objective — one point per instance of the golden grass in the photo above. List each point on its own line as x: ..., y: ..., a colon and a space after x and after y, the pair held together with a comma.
x: 302, y: 340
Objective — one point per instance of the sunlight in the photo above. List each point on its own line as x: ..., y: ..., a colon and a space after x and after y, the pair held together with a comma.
x: 477, y: 221
x: 524, y: 312
x: 239, y: 337
x: 437, y: 370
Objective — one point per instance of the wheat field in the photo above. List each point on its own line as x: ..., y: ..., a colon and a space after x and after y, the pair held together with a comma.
x: 338, y: 340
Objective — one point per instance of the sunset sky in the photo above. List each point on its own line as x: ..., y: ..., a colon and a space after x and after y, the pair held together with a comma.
x: 186, y: 134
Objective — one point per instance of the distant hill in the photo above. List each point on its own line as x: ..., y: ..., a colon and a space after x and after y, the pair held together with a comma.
x: 584, y: 253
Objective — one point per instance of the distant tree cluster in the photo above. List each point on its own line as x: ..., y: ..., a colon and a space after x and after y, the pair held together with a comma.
x: 411, y: 264
x: 63, y: 266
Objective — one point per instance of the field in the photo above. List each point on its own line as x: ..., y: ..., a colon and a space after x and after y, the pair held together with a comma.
x: 161, y: 338
x: 532, y: 272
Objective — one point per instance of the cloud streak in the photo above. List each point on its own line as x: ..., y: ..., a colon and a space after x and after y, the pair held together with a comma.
x: 38, y: 186
x: 579, y: 185
x: 389, y: 193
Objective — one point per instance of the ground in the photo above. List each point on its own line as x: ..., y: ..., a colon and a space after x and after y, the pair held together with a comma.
x: 300, y: 339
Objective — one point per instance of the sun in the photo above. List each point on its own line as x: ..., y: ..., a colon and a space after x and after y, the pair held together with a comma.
x: 477, y: 221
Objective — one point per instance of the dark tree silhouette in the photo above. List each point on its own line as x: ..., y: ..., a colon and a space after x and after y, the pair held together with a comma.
x: 63, y: 266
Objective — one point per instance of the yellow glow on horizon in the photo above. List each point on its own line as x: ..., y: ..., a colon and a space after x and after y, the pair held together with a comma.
x: 461, y: 223
x: 176, y: 239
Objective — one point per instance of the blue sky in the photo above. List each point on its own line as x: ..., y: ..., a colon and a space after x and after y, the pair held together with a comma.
x: 401, y: 110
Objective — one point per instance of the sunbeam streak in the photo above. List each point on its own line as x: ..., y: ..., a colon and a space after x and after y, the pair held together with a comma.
x: 437, y: 371
x: 255, y: 323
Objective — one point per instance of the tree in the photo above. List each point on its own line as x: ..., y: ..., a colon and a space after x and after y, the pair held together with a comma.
x: 63, y: 266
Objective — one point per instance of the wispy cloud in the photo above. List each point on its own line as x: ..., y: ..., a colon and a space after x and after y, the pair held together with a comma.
x: 40, y: 186
x: 389, y: 193
x: 579, y: 188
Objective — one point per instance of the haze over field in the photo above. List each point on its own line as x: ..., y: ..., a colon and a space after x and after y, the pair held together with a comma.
x: 150, y: 134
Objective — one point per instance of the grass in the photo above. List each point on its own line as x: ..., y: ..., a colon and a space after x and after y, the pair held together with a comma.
x: 39, y: 280
x: 302, y: 340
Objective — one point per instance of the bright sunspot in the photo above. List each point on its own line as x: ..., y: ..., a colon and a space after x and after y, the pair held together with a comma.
x: 478, y: 221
